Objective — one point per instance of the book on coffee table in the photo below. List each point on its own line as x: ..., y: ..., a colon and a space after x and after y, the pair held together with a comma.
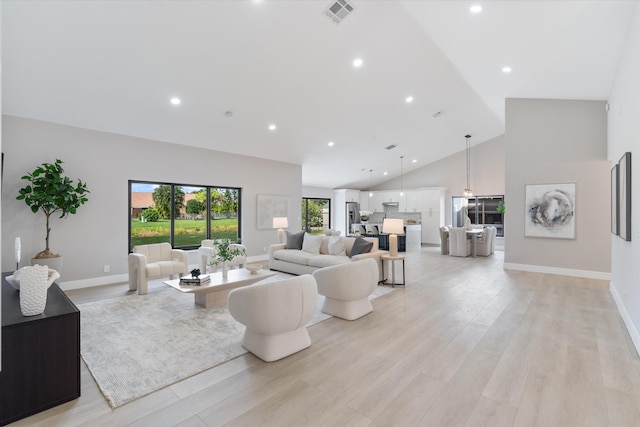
x: 189, y: 280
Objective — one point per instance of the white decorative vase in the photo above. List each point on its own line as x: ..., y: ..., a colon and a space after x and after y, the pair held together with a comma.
x: 225, y: 270
x: 34, y: 283
x: 467, y: 223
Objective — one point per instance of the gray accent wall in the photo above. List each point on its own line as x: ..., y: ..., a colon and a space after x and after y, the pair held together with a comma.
x: 97, y: 234
x: 559, y: 141
x: 624, y: 135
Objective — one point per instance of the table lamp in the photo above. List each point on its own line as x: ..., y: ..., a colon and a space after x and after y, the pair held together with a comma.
x: 280, y: 222
x: 393, y: 227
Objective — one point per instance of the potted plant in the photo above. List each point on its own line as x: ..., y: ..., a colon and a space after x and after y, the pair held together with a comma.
x: 49, y: 191
x: 224, y: 253
x: 364, y: 215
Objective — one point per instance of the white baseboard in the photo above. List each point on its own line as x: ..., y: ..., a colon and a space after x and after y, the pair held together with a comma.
x: 601, y: 275
x: 633, y: 332
x: 94, y: 281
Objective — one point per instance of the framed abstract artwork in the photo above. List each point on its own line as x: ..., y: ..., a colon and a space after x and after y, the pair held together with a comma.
x: 615, y: 220
x: 269, y: 207
x: 550, y: 211
x: 624, y: 197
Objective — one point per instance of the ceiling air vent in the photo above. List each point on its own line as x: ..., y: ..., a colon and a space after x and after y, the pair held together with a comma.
x: 390, y: 147
x: 338, y: 11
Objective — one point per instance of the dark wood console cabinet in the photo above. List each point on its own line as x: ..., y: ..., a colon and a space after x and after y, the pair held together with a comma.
x: 40, y: 355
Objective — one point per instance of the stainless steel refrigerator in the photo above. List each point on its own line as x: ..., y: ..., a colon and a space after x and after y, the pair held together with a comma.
x: 353, y: 215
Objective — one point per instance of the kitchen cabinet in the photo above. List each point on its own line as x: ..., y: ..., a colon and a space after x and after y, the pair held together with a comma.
x: 391, y: 196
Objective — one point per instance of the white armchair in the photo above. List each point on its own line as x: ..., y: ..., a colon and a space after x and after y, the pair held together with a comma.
x: 347, y: 287
x: 444, y: 240
x: 459, y: 244
x: 153, y: 261
x: 207, y: 250
x: 485, y: 245
x: 275, y: 315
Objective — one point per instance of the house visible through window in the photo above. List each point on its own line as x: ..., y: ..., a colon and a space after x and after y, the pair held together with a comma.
x: 182, y: 215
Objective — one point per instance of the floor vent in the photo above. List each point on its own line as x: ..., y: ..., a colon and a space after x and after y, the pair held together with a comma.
x: 338, y: 10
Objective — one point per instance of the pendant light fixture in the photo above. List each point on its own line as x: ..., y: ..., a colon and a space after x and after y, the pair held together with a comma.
x: 467, y: 191
x: 370, y: 182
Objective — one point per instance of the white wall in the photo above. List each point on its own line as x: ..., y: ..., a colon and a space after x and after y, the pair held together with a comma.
x: 624, y: 131
x: 559, y: 141
x: 487, y: 173
x: 97, y: 234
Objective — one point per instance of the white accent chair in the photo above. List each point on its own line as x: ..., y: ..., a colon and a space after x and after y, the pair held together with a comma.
x: 347, y: 287
x: 444, y: 240
x: 207, y: 250
x: 485, y: 245
x: 153, y: 261
x: 459, y: 243
x: 372, y: 229
x: 275, y: 315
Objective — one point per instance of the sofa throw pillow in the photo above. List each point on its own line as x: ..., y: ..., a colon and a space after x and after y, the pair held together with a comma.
x: 360, y: 246
x: 294, y: 240
x: 311, y: 243
x: 336, y: 246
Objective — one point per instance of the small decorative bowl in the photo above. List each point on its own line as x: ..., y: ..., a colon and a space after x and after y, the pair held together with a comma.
x: 13, y: 281
x: 253, y: 268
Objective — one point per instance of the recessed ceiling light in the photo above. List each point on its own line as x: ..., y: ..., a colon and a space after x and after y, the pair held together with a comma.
x: 476, y: 8
x: 272, y: 127
x: 506, y: 69
x: 414, y: 161
x: 357, y: 62
x: 330, y: 143
x: 385, y: 173
x: 409, y: 99
x: 175, y: 101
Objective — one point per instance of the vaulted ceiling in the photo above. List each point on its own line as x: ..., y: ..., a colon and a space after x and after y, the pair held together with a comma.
x: 239, y: 66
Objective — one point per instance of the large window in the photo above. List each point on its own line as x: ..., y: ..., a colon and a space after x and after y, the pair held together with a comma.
x: 182, y: 215
x: 481, y: 210
x: 315, y: 215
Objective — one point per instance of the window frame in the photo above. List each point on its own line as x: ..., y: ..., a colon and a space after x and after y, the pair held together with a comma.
x: 208, y: 215
x: 305, y: 212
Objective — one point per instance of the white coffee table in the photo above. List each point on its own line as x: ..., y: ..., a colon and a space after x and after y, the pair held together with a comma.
x: 216, y: 291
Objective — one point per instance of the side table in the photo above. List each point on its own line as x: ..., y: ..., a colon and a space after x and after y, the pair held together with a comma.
x: 392, y: 260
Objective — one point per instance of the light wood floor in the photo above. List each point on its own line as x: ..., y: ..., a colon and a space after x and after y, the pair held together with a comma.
x: 465, y: 343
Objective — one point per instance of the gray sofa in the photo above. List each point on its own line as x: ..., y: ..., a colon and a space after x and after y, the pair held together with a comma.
x: 298, y: 261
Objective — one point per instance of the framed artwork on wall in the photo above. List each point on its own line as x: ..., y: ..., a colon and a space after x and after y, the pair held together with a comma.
x: 550, y: 210
x: 624, y: 197
x: 615, y: 230
x: 269, y: 207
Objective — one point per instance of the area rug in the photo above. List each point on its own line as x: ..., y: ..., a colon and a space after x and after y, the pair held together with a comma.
x: 137, y: 344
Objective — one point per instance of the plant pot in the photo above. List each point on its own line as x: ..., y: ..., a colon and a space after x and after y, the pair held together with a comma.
x: 54, y: 263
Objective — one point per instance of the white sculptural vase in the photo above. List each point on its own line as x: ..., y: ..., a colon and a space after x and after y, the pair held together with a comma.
x: 34, y: 283
x: 225, y: 270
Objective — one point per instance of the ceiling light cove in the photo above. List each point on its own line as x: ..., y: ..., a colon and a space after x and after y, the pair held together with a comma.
x: 357, y: 63
x: 476, y: 8
x: 506, y: 69
x: 272, y: 127
x: 175, y: 101
x: 408, y: 99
